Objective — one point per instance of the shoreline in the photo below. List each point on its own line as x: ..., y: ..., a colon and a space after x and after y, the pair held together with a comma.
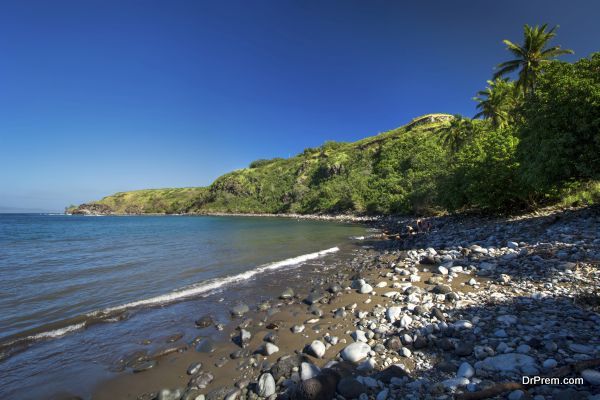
x: 315, y: 217
x: 457, y: 283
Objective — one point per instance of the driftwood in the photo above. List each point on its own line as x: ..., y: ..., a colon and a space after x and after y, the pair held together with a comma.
x: 500, y: 388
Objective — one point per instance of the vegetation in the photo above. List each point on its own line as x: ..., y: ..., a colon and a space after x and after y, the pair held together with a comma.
x: 531, y: 56
x: 538, y: 143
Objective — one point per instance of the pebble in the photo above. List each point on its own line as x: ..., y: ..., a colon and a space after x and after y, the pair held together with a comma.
x: 194, y: 368
x: 317, y: 349
x: 591, y: 376
x: 366, y: 288
x: 355, y: 352
x: 266, y: 385
x: 308, y: 371
x: 465, y: 370
x: 516, y: 395
x: 239, y: 310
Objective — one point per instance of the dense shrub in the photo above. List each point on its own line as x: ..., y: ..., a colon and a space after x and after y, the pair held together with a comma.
x: 560, y: 135
x: 484, y: 174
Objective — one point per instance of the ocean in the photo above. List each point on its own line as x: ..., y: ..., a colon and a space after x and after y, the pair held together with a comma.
x: 77, y: 292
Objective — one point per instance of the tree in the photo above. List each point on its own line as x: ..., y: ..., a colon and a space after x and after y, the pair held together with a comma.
x: 497, y: 102
x: 560, y: 139
x: 457, y: 132
x: 531, y: 56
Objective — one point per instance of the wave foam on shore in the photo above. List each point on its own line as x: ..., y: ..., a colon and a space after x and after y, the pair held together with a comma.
x: 13, y: 344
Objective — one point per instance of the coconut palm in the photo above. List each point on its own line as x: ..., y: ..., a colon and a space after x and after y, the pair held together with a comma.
x: 497, y: 102
x: 531, y: 56
x: 456, y: 133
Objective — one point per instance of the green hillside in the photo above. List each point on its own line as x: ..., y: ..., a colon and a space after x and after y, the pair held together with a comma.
x: 538, y: 143
x: 333, y: 178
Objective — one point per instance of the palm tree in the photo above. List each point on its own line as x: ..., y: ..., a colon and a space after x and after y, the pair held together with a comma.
x: 456, y: 133
x: 531, y: 56
x: 497, y: 102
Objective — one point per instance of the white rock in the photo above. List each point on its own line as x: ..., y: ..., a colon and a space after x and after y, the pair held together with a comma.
x: 393, y: 313
x: 509, y: 362
x: 355, y: 352
x: 405, y: 321
x: 472, y: 282
x: 333, y: 340
x: 415, y: 278
x: 512, y: 245
x: 454, y: 383
x: 308, y: 371
x: 405, y: 352
x: 392, y: 294
x: 442, y: 270
x: 270, y: 348
x: 463, y: 324
x: 366, y: 288
x: 381, y: 284
x: 266, y: 385
x: 465, y: 371
x: 359, y: 336
x: 591, y: 376
x: 367, y: 365
x: 317, y: 349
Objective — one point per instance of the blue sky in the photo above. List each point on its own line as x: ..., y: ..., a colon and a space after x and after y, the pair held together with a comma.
x: 105, y: 96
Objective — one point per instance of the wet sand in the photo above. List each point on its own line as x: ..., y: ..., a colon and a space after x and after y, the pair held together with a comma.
x: 170, y: 372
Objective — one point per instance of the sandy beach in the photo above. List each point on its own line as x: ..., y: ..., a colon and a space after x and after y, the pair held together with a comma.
x: 461, y: 308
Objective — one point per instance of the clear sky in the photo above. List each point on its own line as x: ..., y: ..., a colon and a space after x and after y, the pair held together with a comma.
x: 100, y: 96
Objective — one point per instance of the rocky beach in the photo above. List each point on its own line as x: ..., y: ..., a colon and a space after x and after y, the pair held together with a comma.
x: 464, y: 307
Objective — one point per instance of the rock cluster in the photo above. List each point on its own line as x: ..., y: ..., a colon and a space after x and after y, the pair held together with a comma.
x: 471, y: 303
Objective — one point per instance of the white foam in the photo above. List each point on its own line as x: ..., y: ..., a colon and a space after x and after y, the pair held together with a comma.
x: 202, y: 288
x: 357, y: 237
x: 57, y: 332
x: 212, y: 285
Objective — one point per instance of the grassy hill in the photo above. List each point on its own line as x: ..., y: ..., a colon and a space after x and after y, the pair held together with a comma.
x: 333, y: 178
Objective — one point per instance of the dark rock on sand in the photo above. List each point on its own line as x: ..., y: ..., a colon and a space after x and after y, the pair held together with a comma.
x: 271, y: 337
x: 239, y: 310
x: 201, y: 381
x: 393, y: 371
x: 206, y: 345
x: 464, y: 348
x: 283, y: 367
x: 428, y: 260
x: 288, y: 293
x: 194, y: 368
x: 175, y: 337
x: 394, y: 343
x: 322, y: 387
x: 441, y: 289
x: 168, y: 350
x: 350, y: 388
x: 143, y: 366
x: 240, y: 353
x: 315, y: 297
x: 204, y: 322
x: 436, y: 312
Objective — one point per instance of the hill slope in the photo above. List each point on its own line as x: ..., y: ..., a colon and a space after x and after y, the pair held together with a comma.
x: 389, y: 172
